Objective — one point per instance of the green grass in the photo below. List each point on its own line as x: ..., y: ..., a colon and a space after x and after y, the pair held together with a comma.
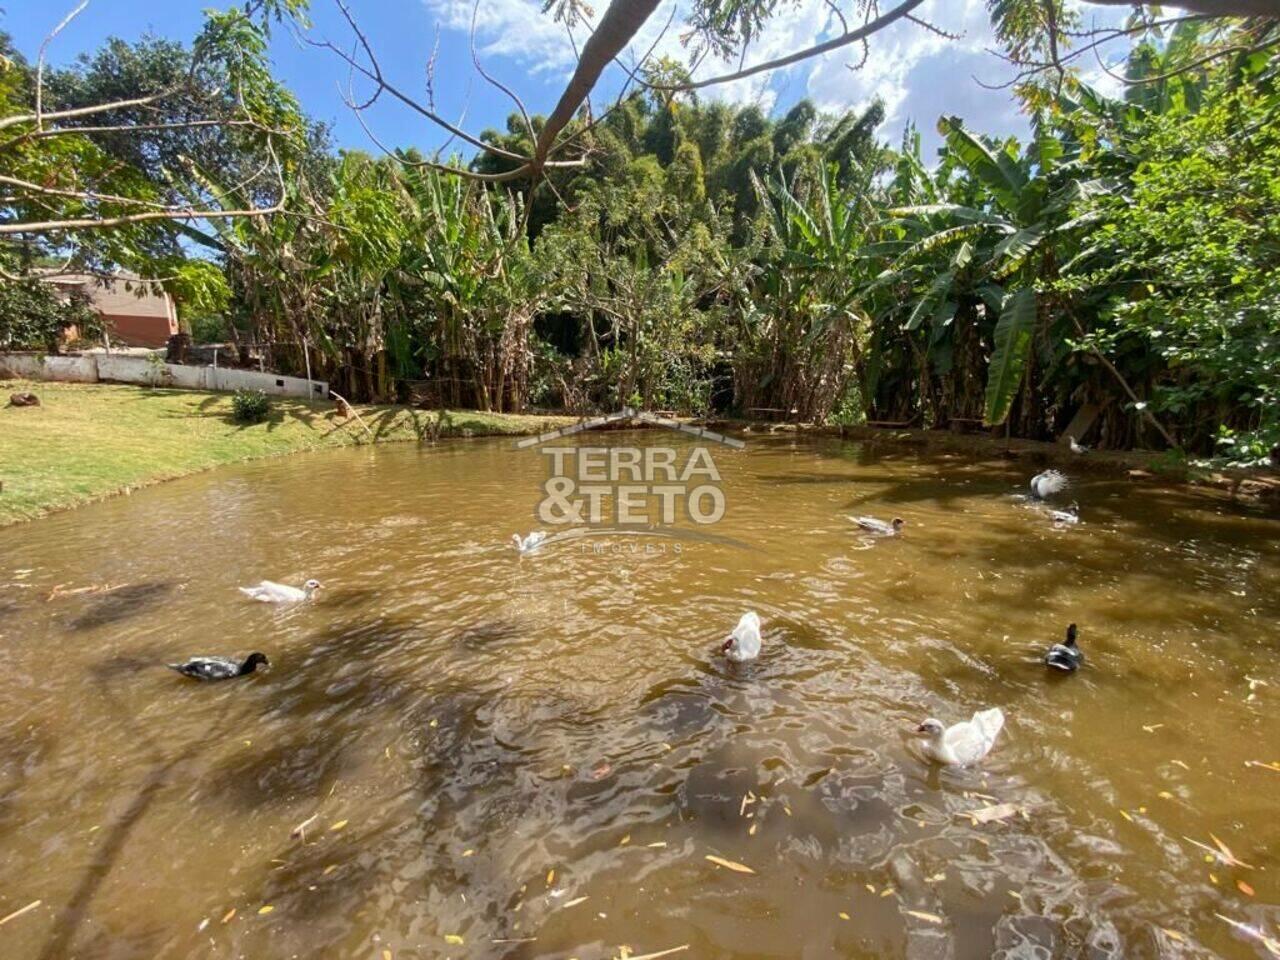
x: 90, y: 441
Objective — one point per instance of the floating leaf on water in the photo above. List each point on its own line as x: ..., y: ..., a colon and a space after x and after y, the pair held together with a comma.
x: 1227, y: 855
x: 1223, y: 852
x: 386, y: 955
x: 468, y: 853
x: 1165, y: 795
x: 1125, y: 814
x: 1152, y: 728
x: 329, y: 869
x: 339, y: 825
x: 1173, y: 935
x: 655, y: 956
x: 1181, y: 764
x: 786, y: 809
x: 1273, y: 766
x: 1271, y: 944
x: 871, y: 887
x: 1244, y: 888
x: 842, y: 915
x: 927, y: 917
x: 300, y: 830
x: 574, y: 902
x: 265, y: 909
x: 625, y: 840
x: 729, y: 864
x: 659, y: 843
x: 454, y: 939
x: 936, y: 878
x: 752, y: 831
x: 229, y: 915
x: 27, y: 909
x: 1001, y: 811
x: 887, y: 892
x: 551, y: 877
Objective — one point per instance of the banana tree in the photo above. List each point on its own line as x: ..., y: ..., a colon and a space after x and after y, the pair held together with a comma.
x: 807, y: 345
x: 990, y: 242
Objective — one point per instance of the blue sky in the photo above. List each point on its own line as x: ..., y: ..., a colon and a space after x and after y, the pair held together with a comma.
x: 918, y: 74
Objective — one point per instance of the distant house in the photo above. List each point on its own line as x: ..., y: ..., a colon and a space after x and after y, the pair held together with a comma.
x: 136, y: 312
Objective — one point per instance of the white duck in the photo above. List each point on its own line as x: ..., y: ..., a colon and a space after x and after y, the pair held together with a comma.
x: 962, y: 743
x: 879, y: 527
x: 1046, y: 484
x: 744, y: 643
x: 270, y: 592
x: 1076, y: 447
x: 530, y: 543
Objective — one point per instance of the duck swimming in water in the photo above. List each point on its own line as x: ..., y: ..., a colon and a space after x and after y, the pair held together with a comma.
x: 962, y: 743
x: 1066, y: 657
x: 1076, y: 447
x: 220, y: 668
x: 744, y: 643
x: 1046, y: 484
x: 269, y: 591
x: 879, y: 527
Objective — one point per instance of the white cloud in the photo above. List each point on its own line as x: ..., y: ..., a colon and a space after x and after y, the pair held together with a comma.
x: 515, y: 29
x: 917, y: 73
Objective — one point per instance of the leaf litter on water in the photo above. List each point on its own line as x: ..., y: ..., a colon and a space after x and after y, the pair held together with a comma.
x: 927, y: 917
x: 729, y: 864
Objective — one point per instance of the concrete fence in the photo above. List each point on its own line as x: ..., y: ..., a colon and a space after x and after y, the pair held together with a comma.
x: 120, y: 368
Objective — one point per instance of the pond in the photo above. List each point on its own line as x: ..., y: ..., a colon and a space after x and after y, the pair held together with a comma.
x: 517, y: 757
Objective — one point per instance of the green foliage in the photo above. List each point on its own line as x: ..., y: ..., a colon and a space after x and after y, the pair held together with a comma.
x: 126, y: 166
x: 1186, y: 261
x: 1012, y: 340
x: 32, y: 317
x: 250, y: 406
x: 707, y: 256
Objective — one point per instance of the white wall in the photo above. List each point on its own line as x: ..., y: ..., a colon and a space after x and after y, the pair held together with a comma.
x: 31, y: 366
x: 91, y: 368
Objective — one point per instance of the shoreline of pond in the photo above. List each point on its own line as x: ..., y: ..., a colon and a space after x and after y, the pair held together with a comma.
x: 81, y: 444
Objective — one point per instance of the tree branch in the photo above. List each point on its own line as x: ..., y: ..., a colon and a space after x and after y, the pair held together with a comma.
x: 853, y: 36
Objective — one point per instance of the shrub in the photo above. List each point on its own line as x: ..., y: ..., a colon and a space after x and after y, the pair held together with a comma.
x: 250, y: 406
x: 33, y: 318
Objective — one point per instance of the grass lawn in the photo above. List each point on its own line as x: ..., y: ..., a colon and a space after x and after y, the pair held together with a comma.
x: 88, y: 441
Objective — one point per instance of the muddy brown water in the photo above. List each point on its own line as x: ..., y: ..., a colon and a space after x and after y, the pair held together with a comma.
x: 508, y: 757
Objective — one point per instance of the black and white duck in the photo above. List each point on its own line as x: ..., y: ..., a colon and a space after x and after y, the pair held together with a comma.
x: 1066, y: 656
x: 220, y: 668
